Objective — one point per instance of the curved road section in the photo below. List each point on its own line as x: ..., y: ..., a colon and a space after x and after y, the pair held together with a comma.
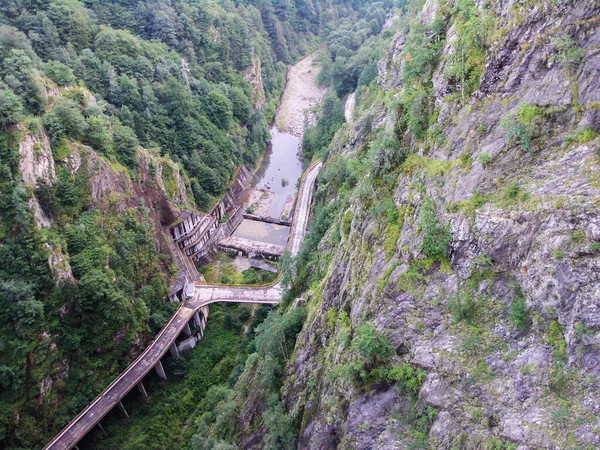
x: 204, y: 295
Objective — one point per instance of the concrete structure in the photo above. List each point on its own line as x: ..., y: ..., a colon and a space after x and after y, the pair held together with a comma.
x: 251, y: 248
x: 193, y: 310
x: 285, y: 223
x: 258, y: 264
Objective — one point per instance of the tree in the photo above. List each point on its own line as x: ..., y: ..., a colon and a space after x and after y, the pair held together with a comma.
x: 125, y: 144
x: 11, y: 108
x: 59, y: 73
x: 437, y: 237
x: 71, y: 118
x: 97, y: 135
x: 220, y: 109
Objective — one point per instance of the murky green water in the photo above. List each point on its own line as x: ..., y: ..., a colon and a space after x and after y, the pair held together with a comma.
x: 263, y: 232
x: 280, y: 170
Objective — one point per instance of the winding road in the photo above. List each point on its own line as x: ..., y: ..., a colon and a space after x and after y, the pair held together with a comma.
x: 204, y: 295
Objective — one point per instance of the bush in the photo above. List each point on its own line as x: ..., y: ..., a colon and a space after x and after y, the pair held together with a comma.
x: 522, y: 127
x: 463, y: 309
x: 373, y: 346
x: 409, y: 379
x: 437, y: 238
x: 71, y: 118
x: 485, y: 159
x: 512, y: 190
x: 59, y: 73
x: 518, y: 313
x: 126, y: 144
x: 568, y: 53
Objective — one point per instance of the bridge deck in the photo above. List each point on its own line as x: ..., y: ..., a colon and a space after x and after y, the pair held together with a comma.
x: 204, y: 295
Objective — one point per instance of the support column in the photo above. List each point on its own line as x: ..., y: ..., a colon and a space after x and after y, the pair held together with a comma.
x: 102, y: 429
x: 122, y: 409
x: 142, y: 389
x: 160, y: 371
x: 174, y: 350
x: 76, y: 448
x: 197, y: 320
x: 187, y: 330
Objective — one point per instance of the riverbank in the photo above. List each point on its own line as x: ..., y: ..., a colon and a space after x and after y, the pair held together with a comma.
x: 301, y: 94
x: 273, y: 188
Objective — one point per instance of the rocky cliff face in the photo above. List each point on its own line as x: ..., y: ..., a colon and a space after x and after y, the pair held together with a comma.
x: 506, y: 326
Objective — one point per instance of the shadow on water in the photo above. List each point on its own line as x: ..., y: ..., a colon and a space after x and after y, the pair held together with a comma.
x: 280, y: 170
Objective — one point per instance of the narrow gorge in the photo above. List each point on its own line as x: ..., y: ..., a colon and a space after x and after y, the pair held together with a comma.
x: 443, y: 293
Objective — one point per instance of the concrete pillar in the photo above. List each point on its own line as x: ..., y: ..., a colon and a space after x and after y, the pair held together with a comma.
x: 187, y: 330
x: 123, y: 410
x: 160, y: 371
x: 174, y: 350
x: 102, y: 429
x: 197, y: 319
x: 76, y: 448
x: 142, y: 389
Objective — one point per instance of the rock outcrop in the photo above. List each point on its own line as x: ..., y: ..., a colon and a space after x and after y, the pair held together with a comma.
x: 524, y: 230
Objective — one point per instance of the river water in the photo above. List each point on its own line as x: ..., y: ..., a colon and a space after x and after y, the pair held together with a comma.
x: 274, y: 185
x: 280, y: 170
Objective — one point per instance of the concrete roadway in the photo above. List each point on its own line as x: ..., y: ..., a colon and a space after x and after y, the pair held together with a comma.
x: 204, y: 295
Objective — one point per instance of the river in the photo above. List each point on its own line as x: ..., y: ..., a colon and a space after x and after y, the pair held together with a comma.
x: 274, y: 185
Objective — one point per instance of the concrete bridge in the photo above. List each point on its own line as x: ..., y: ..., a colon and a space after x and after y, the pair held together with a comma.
x: 192, y: 313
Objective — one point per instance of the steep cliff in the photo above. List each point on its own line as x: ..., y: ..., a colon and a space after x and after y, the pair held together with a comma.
x: 455, y: 298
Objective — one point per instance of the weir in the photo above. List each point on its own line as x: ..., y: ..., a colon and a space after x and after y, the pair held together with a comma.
x: 190, y: 316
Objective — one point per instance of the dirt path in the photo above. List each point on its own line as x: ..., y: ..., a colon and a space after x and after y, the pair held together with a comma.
x: 300, y: 95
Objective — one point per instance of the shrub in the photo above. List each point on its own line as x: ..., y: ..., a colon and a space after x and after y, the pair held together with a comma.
x: 518, y: 313
x: 125, y: 144
x: 70, y: 118
x: 568, y: 53
x: 372, y: 345
x: 437, y: 237
x: 59, y: 73
x: 522, y: 126
x: 11, y: 108
x: 463, y: 309
x: 585, y: 135
x: 512, y: 190
x: 347, y: 222
x: 410, y: 379
x: 485, y: 159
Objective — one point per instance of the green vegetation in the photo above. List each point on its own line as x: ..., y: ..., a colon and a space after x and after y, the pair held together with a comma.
x: 372, y: 352
x: 518, y: 313
x: 316, y: 139
x: 465, y: 63
x: 171, y: 77
x: 222, y: 269
x: 167, y: 75
x: 353, y: 50
x: 463, y: 308
x: 436, y: 238
x: 567, y: 52
x: 198, y: 389
x: 484, y: 158
x: 522, y: 126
